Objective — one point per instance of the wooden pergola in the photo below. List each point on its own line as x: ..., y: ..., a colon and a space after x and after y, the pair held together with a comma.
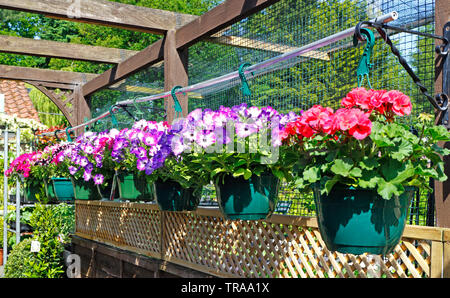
x: 178, y: 31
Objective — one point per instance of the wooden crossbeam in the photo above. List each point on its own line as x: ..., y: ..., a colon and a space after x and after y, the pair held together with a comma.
x: 211, y: 22
x: 44, y: 75
x: 248, y: 43
x: 102, y: 12
x: 55, y: 49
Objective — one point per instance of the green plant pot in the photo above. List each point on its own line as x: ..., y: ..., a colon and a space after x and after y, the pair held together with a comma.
x: 170, y: 196
x: 251, y: 199
x: 30, y: 192
x: 105, y: 190
x: 50, y: 191
x: 134, y: 188
x: 62, y: 189
x: 83, y: 190
x: 357, y: 221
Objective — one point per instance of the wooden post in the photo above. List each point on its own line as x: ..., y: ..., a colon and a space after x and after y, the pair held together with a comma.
x: 442, y: 190
x: 82, y: 108
x: 175, y: 73
x: 446, y: 257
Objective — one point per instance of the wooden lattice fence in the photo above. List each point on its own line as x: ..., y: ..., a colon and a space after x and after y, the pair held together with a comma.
x: 283, y: 246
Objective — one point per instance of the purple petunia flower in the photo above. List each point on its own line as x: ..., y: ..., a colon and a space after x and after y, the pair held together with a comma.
x: 141, y: 164
x: 98, y: 179
x: 205, y: 138
x: 72, y: 170
x: 243, y: 130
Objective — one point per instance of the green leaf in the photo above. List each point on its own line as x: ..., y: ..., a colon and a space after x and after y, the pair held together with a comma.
x: 312, y: 174
x: 239, y: 172
x: 402, y: 151
x: 369, y: 179
x: 247, y: 174
x: 342, y: 166
x: 330, y: 183
x: 369, y: 163
x: 388, y: 189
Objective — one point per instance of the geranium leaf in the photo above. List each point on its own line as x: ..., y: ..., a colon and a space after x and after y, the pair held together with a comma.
x: 388, y: 189
x: 311, y: 174
x: 342, y: 166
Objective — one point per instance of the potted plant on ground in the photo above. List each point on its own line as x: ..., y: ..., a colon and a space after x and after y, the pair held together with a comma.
x: 239, y: 148
x: 364, y: 165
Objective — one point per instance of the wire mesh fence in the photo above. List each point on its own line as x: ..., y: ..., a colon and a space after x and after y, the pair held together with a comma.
x: 321, y: 76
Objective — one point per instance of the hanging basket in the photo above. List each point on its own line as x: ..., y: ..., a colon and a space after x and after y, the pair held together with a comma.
x: 104, y: 190
x: 62, y: 189
x: 30, y: 192
x: 170, y: 196
x: 134, y: 188
x: 251, y: 199
x: 49, y: 190
x: 85, y: 190
x: 357, y: 221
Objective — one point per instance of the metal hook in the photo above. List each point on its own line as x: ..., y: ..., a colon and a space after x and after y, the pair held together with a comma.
x: 246, y: 92
x: 56, y: 135
x: 113, y: 117
x: 177, y: 106
x: 69, y: 139
x: 364, y: 65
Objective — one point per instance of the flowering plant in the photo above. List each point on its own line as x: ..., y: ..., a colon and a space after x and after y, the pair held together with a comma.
x: 363, y: 145
x: 237, y: 141
x: 90, y: 159
x: 140, y: 150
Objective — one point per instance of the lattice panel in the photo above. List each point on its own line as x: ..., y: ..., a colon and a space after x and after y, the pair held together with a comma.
x: 126, y: 225
x: 283, y: 246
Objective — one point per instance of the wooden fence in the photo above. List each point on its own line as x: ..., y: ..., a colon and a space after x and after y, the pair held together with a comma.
x: 282, y: 246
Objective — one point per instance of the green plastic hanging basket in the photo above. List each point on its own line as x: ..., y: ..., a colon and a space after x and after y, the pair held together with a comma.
x: 358, y: 221
x: 85, y: 190
x: 30, y: 192
x: 105, y: 190
x: 134, y: 188
x: 251, y: 199
x: 170, y: 196
x: 50, y: 191
x: 62, y: 189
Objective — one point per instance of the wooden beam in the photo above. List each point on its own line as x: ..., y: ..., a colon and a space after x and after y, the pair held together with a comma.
x: 54, y: 49
x: 210, y: 23
x: 248, y: 43
x: 442, y: 189
x: 145, y: 58
x: 218, y: 18
x: 81, y: 108
x: 44, y: 75
x: 175, y: 74
x: 106, y: 13
x: 57, y: 101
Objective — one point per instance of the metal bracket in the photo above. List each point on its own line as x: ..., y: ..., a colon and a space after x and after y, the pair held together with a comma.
x: 446, y: 74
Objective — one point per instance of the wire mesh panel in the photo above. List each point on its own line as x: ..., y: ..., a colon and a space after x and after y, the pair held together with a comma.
x: 321, y: 76
x: 146, y: 82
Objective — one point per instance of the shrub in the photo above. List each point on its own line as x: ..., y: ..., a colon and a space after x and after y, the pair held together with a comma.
x: 18, y: 260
